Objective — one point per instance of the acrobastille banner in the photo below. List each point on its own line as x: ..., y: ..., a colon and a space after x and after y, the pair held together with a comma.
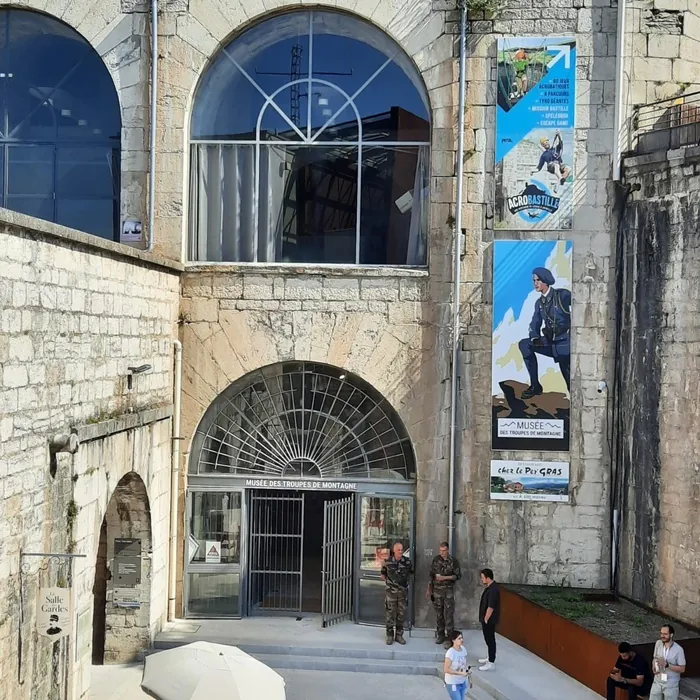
x: 535, y: 133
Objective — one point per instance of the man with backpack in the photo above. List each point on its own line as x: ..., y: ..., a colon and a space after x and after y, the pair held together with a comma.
x: 549, y: 332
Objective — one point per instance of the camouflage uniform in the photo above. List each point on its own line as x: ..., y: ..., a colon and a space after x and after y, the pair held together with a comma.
x: 442, y: 593
x: 398, y: 575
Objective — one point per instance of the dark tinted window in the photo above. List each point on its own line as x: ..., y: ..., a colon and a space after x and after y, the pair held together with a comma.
x: 60, y: 125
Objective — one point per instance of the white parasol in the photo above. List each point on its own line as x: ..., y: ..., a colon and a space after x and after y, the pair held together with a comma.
x: 202, y: 671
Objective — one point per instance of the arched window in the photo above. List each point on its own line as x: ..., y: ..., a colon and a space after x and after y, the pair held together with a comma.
x: 310, y: 144
x: 304, y: 420
x: 60, y: 126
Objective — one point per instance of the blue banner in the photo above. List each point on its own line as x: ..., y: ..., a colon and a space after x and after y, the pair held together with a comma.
x: 535, y: 133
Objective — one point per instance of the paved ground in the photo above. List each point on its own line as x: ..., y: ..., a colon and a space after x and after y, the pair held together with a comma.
x: 519, y: 675
x: 122, y: 683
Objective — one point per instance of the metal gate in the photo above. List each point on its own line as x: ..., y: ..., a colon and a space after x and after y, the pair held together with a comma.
x: 276, y: 552
x: 336, y: 595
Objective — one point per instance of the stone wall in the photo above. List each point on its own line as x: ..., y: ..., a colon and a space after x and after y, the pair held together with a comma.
x: 395, y: 331
x: 657, y: 441
x: 75, y: 312
x: 662, y: 51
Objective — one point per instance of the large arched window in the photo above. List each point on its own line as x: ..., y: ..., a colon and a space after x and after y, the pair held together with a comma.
x: 60, y: 126
x: 310, y: 144
x: 305, y: 420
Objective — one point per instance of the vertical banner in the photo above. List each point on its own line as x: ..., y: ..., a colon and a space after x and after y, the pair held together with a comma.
x: 535, y: 133
x: 531, y: 345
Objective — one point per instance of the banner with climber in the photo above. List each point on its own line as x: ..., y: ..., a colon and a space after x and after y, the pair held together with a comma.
x: 531, y: 345
x: 535, y: 133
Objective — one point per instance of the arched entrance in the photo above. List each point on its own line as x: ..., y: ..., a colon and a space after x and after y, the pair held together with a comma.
x: 122, y: 589
x: 301, y: 476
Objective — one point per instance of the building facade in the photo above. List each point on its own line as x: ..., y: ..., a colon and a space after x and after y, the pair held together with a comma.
x: 300, y: 229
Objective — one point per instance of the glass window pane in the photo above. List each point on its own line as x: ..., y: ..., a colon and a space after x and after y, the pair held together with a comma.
x: 308, y: 204
x: 85, y: 172
x: 58, y: 82
x: 222, y: 200
x: 30, y: 170
x: 41, y: 207
x: 214, y: 595
x: 95, y: 216
x: 272, y: 54
x: 394, y: 205
x: 384, y: 521
x: 293, y: 105
x: 360, y: 58
x: 216, y: 517
x: 371, y: 606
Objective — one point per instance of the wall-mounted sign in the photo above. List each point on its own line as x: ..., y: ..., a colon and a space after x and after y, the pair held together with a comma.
x: 531, y: 347
x: 54, y: 615
x: 83, y: 633
x: 212, y: 552
x: 535, y: 133
x: 301, y: 484
x: 132, y: 231
x: 127, y: 562
x: 126, y: 598
x: 529, y: 481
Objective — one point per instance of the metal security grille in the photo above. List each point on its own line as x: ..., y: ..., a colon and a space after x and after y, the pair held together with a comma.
x: 276, y: 552
x: 303, y: 420
x: 336, y: 596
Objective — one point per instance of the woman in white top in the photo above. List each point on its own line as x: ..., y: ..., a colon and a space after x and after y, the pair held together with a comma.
x: 456, y: 669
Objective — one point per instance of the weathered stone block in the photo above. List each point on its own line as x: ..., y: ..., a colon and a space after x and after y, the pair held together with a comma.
x: 303, y: 288
x: 339, y: 289
x: 663, y: 46
x: 379, y: 289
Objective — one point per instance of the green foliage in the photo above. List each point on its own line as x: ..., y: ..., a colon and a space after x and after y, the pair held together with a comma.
x: 567, y: 604
x: 489, y: 7
x: 71, y: 514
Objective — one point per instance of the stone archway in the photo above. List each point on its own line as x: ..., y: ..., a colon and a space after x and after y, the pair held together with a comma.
x: 122, y: 589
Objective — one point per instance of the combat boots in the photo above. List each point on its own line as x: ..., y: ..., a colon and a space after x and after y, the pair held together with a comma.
x: 399, y: 638
x: 389, y: 637
x: 439, y: 638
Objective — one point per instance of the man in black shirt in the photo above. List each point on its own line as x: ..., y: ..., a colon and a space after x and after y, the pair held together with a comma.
x: 489, y: 614
x: 631, y: 672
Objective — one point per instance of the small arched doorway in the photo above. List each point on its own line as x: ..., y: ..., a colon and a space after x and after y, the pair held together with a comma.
x: 122, y: 588
x: 302, y: 475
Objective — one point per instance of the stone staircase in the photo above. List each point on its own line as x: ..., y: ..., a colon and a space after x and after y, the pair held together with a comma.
x: 389, y: 660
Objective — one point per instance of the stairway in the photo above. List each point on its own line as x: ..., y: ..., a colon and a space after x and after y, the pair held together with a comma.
x: 350, y: 658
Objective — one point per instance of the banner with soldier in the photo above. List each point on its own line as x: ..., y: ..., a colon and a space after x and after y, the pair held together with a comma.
x: 531, y: 345
x: 535, y: 133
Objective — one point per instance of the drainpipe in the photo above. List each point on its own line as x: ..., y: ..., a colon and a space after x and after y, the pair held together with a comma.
x: 619, y: 97
x: 152, y: 125
x: 174, y: 474
x: 456, y: 294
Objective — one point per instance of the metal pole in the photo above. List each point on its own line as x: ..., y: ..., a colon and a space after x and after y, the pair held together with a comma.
x: 152, y: 125
x: 619, y: 97
x: 174, y: 480
x: 456, y: 296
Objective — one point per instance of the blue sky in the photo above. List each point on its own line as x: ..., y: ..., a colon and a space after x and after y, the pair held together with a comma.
x: 513, y: 265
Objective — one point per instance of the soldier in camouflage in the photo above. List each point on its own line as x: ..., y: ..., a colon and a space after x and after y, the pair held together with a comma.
x: 397, y: 572
x: 444, y: 572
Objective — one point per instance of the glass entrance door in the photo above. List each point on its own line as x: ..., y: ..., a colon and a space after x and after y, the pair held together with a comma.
x: 213, y: 552
x: 384, y: 520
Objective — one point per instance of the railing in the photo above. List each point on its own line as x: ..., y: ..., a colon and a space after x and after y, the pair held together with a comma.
x: 667, y: 124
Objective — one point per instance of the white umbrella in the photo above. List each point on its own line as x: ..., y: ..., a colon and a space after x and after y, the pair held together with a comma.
x: 202, y: 671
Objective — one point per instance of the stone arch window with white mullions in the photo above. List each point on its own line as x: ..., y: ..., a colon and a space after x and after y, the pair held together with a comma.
x: 60, y: 126
x: 310, y: 144
x: 303, y: 420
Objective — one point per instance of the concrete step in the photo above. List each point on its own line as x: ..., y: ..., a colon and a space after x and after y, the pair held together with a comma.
x: 351, y: 664
x: 390, y: 653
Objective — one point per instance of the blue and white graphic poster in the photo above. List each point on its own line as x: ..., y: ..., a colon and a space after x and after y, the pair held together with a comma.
x: 535, y: 133
x: 531, y: 345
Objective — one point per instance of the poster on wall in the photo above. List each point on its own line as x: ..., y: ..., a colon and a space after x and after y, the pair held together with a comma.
x: 531, y: 350
x: 529, y: 481
x: 535, y: 133
x: 54, y: 615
